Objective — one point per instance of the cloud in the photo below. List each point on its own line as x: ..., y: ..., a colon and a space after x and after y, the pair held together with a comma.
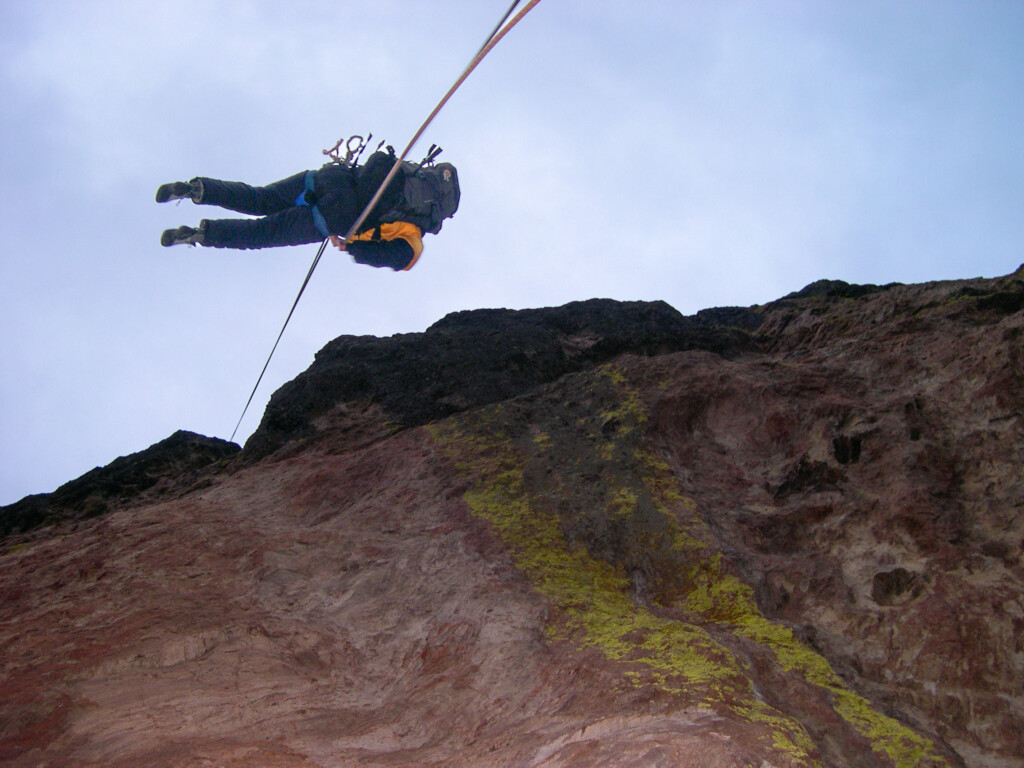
x: 703, y: 153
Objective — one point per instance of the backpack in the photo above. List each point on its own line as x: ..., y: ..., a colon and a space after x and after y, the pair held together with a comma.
x: 430, y: 194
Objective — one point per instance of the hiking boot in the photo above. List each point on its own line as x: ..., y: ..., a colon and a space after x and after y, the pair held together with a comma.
x: 178, y: 190
x: 182, y: 236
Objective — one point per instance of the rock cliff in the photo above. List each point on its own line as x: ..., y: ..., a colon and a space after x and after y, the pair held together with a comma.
x: 600, y: 534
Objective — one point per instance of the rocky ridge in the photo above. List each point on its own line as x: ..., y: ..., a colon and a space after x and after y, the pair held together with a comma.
x: 170, y: 466
x: 601, y: 534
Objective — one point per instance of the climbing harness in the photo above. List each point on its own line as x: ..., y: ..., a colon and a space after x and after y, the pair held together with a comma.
x: 307, y: 197
x: 352, y: 155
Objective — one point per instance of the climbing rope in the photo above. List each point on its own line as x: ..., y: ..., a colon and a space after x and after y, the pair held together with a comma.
x: 492, y: 40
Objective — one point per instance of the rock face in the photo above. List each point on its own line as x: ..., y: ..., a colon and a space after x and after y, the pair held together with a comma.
x: 470, y: 359
x: 172, y: 464
x: 602, y: 534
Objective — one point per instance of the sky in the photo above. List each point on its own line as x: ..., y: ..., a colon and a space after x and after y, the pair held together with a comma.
x: 705, y: 153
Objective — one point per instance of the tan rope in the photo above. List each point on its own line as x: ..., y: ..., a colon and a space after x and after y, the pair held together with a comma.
x: 493, y: 41
x: 495, y: 37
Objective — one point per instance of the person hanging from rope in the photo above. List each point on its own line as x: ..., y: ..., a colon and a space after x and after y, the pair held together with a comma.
x: 313, y: 205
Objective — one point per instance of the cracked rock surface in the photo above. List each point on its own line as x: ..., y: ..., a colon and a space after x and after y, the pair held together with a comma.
x: 600, y: 534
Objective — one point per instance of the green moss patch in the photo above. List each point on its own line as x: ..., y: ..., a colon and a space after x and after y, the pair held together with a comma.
x: 596, y: 520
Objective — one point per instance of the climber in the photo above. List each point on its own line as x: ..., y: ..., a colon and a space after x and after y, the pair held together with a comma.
x: 313, y: 205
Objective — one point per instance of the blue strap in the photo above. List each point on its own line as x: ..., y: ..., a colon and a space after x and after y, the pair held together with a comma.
x: 310, y: 184
x: 321, y: 222
x: 318, y: 217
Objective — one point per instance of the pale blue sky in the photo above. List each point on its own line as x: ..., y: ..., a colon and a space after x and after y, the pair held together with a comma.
x: 703, y: 153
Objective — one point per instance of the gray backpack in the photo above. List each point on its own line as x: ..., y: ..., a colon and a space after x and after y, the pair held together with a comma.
x: 430, y: 194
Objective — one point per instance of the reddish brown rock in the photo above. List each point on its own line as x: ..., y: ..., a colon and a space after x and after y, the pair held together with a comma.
x: 787, y: 535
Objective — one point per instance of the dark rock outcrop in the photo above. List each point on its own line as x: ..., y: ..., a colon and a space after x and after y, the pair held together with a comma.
x: 173, y: 464
x: 787, y: 535
x: 477, y: 357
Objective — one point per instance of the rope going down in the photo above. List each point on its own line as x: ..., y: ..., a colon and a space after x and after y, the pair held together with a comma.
x: 492, y: 40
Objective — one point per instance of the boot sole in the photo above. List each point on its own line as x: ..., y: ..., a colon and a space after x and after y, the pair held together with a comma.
x: 168, y: 192
x: 176, y: 237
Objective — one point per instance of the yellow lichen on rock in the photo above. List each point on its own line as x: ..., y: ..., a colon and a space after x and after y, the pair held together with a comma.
x: 681, y: 655
x: 595, y: 609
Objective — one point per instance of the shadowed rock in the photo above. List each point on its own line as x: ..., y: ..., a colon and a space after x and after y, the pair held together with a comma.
x: 477, y: 357
x: 784, y: 535
x: 172, y: 464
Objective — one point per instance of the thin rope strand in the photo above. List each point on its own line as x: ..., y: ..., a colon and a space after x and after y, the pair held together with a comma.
x: 499, y: 24
x: 274, y: 349
x: 492, y: 40
x: 495, y: 38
